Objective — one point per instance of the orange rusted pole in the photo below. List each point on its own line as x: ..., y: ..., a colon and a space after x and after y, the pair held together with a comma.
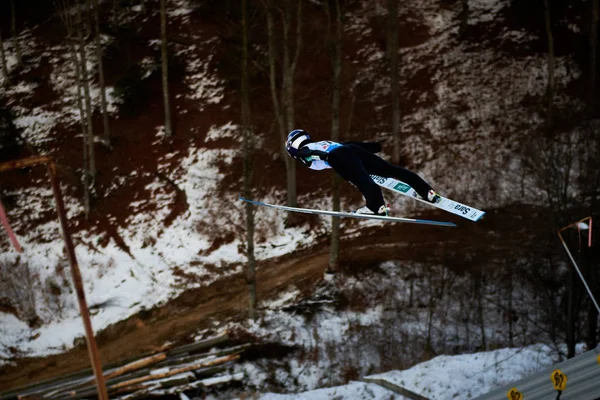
x: 83, y: 308
x: 589, y: 228
x: 75, y: 272
x: 9, y: 231
x: 24, y: 162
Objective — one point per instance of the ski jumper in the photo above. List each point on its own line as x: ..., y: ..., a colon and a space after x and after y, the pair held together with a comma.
x: 355, y: 162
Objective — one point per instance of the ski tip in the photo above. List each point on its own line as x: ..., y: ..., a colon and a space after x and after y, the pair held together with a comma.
x: 257, y: 203
x: 480, y: 217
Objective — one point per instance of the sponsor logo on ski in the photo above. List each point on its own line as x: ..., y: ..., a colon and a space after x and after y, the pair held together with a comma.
x: 378, y: 179
x: 462, y: 208
x: 403, y: 187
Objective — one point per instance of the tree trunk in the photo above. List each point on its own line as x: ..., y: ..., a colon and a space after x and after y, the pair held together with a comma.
x: 13, y: 26
x: 510, y: 306
x: 571, y: 317
x: 592, y: 320
x: 593, y: 51
x: 64, y: 7
x: 591, y: 267
x: 88, y: 18
x: 334, y: 250
x: 550, y: 87
x: 278, y: 109
x: 272, y: 82
x: 480, y: 284
x: 3, y: 62
x: 86, y: 97
x: 463, y: 17
x: 289, y: 67
x: 467, y: 321
x: 431, y: 310
x: 393, y: 57
x: 103, y: 102
x: 84, y: 131
x: 165, y: 67
x: 284, y: 109
x: 248, y: 150
x: 291, y: 64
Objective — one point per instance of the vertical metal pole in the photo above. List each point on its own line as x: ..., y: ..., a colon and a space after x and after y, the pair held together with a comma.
x: 9, y: 231
x: 579, y: 272
x: 78, y: 282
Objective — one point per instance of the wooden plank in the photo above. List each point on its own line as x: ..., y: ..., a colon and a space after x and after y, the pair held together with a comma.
x: 64, y: 381
x: 175, y: 371
x: 136, y: 365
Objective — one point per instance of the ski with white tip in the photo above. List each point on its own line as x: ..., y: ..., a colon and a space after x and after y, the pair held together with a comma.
x: 350, y: 215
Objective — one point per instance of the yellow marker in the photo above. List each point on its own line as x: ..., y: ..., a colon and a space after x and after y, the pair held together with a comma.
x: 559, y: 380
x: 514, y: 394
x: 598, y: 359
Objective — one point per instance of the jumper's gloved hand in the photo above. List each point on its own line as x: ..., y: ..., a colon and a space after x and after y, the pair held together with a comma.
x: 305, y: 160
x: 307, y: 156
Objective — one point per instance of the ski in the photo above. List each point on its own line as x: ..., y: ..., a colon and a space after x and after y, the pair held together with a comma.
x: 446, y: 204
x: 350, y: 215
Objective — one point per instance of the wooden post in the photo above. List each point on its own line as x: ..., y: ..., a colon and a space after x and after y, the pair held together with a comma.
x: 78, y: 282
x: 76, y: 274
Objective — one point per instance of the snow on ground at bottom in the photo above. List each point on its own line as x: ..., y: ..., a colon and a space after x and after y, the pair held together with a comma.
x: 467, y: 376
x: 353, y: 390
x: 462, y: 376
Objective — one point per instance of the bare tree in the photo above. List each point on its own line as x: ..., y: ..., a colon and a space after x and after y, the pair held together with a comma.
x: 13, y: 25
x: 510, y: 310
x: 103, y: 103
x: 438, y: 283
x: 479, y: 279
x: 64, y: 10
x: 165, y: 67
x: 336, y: 60
x: 86, y: 94
x: 284, y: 107
x: 19, y: 284
x: 393, y: 57
x: 575, y: 300
x: 593, y: 51
x: 88, y: 18
x: 590, y: 264
x: 463, y: 17
x: 3, y: 61
x: 248, y: 150
x: 550, y: 84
